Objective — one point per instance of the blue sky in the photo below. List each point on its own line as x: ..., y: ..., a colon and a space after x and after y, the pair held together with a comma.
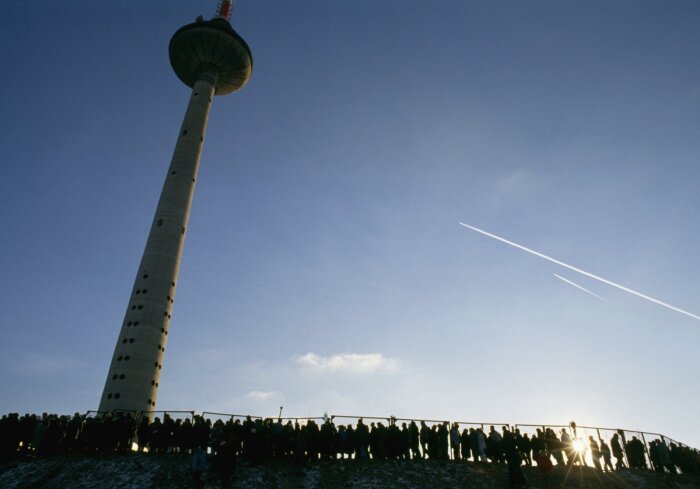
x: 325, y: 268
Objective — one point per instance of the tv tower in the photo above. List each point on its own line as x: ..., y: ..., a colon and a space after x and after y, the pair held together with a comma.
x: 212, y: 59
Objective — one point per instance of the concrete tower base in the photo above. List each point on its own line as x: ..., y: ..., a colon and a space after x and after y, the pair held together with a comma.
x: 134, y: 374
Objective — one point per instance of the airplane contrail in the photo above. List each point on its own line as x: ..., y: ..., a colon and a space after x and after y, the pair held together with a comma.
x: 583, y: 272
x: 579, y: 287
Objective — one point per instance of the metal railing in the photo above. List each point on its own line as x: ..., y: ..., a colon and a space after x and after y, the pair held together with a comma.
x: 578, y: 431
x: 140, y: 414
x: 580, y: 434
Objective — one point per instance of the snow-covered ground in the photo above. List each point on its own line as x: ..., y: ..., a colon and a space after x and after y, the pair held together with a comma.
x: 136, y: 471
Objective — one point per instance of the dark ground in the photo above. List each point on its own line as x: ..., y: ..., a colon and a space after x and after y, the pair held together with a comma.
x: 133, y: 471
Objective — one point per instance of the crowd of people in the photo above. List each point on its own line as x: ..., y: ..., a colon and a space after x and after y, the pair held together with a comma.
x: 258, y: 440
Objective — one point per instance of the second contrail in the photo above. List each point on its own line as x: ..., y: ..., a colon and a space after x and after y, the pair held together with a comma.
x: 579, y: 287
x: 583, y: 272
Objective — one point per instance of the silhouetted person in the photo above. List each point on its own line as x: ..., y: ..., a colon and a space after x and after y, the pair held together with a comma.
x: 434, y: 443
x: 186, y: 436
x: 568, y: 447
x: 595, y: 452
x: 635, y: 454
x: 313, y: 442
x: 414, y: 440
x: 508, y: 442
x: 156, y: 436
x: 200, y: 431
x: 143, y: 432
x: 198, y: 466
x: 276, y: 442
x: 617, y: 452
x: 465, y: 444
x: 494, y: 445
x: 405, y: 442
x: 9, y: 437
x: 346, y: 441
x: 524, y: 444
x: 480, y: 445
x: 606, y: 453
x: 168, y: 434
x: 455, y: 441
x: 288, y: 439
x: 38, y: 436
x: 424, y: 438
x: 554, y: 446
x: 393, y: 440
x: 537, y: 443
x: 665, y: 457
x: 516, y: 478
x: 327, y: 439
x: 73, y: 431
x: 362, y: 440
x: 544, y: 464
x: 224, y: 460
x: 686, y: 459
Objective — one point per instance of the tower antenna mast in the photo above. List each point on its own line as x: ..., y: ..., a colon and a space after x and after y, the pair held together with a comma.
x: 225, y: 9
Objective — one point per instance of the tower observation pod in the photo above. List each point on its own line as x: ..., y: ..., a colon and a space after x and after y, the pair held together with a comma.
x: 212, y: 59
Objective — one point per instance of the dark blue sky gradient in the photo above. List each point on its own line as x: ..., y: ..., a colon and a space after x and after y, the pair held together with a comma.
x: 327, y: 207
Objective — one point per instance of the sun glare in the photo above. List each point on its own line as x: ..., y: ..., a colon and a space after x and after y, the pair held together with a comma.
x: 579, y: 446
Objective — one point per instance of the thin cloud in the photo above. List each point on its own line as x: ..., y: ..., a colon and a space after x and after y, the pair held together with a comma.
x: 261, y: 395
x: 583, y: 272
x: 42, y: 364
x: 352, y: 363
x: 515, y: 186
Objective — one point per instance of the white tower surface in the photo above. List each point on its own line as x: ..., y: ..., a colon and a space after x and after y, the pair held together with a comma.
x: 212, y: 59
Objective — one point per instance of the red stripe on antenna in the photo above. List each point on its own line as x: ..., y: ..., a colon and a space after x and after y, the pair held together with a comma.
x: 225, y: 8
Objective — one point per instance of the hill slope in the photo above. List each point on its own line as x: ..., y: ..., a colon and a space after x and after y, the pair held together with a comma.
x: 133, y: 471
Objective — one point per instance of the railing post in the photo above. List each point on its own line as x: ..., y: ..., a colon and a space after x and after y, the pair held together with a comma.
x: 646, y: 450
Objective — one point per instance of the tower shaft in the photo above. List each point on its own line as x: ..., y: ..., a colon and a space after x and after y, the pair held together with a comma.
x: 134, y: 373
